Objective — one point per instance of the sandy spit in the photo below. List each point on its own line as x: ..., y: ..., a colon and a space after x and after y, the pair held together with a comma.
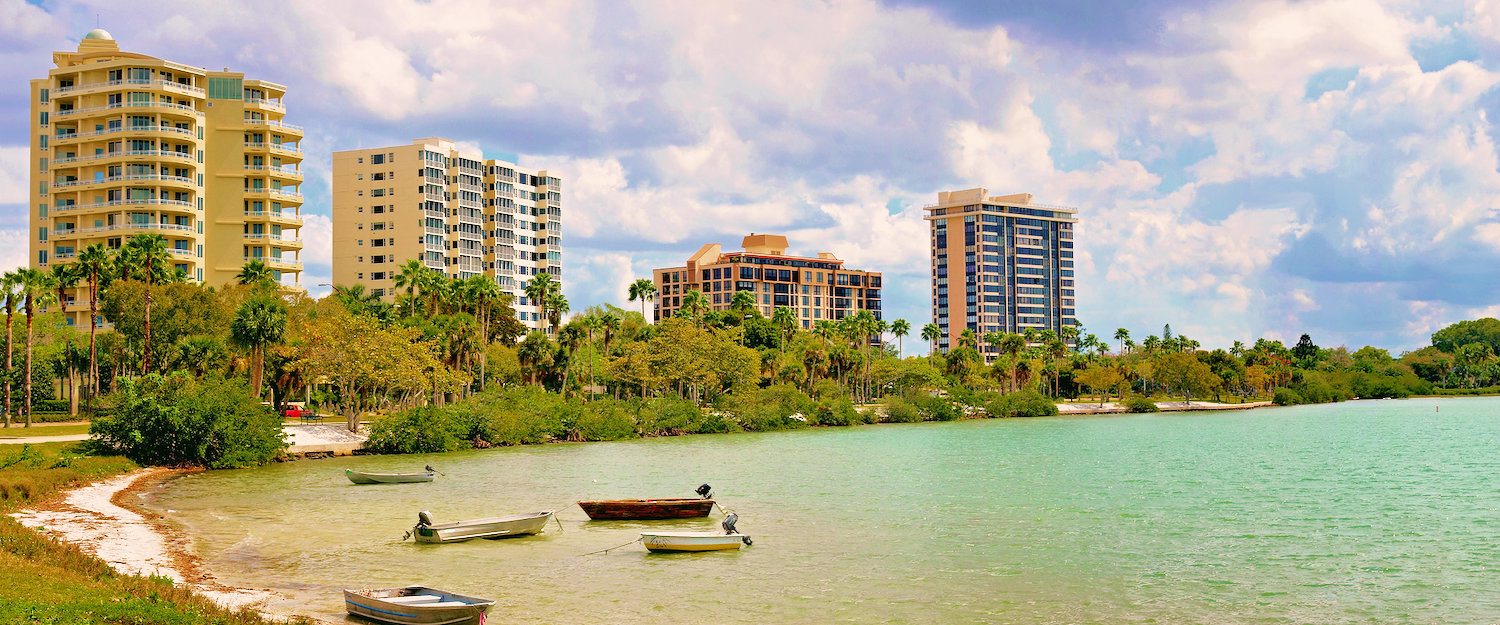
x: 105, y: 521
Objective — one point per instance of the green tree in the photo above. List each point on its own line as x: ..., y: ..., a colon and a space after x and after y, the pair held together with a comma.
x: 94, y: 260
x: 534, y: 353
x: 150, y: 250
x: 785, y: 321
x: 62, y: 278
x: 411, y: 277
x: 931, y: 333
x: 1185, y: 375
x: 1012, y: 344
x: 557, y: 306
x: 695, y: 303
x: 1122, y: 335
x: 36, y: 288
x: 900, y: 328
x: 643, y: 289
x: 256, y: 273
x: 9, y: 282
x: 538, y: 291
x: 259, y: 322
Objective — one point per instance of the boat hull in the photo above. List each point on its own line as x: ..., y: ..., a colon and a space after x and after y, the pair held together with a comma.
x: 416, y: 605
x: 673, y: 542
x: 646, y: 509
x: 360, y: 477
x: 498, y: 527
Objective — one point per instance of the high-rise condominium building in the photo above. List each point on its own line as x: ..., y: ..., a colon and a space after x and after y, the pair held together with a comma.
x: 457, y: 212
x: 124, y: 144
x: 1000, y: 264
x: 814, y: 288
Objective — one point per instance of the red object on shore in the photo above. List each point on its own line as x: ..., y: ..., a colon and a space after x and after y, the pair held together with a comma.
x: 645, y: 509
x: 296, y: 413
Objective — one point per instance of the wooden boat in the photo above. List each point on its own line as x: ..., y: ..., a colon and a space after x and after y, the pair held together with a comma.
x: 416, y: 605
x: 666, y: 542
x: 640, y: 509
x: 498, y: 527
x: 361, y: 477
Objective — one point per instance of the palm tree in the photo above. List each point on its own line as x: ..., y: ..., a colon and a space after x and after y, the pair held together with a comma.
x: 557, y: 306
x: 931, y: 333
x: 151, y: 251
x: 36, y: 288
x: 900, y: 328
x: 1056, y: 348
x: 570, y: 338
x: 992, y: 341
x: 785, y: 321
x: 592, y: 323
x: 609, y: 322
x: 1151, y: 344
x: 645, y: 290
x: 64, y: 277
x: 534, y: 352
x: 258, y: 322
x: 1012, y: 344
x: 1122, y: 335
x: 410, y: 277
x: 742, y: 303
x: 94, y: 261
x: 695, y: 303
x: 538, y: 289
x: 8, y: 283
x: 256, y: 273
x: 967, y: 338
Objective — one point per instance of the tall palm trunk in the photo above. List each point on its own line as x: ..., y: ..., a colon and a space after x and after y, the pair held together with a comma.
x: 30, y: 313
x: 10, y: 310
x: 146, y: 365
x: 93, y: 329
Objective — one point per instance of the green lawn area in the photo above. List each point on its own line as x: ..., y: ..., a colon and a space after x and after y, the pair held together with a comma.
x: 44, y: 429
x: 45, y: 581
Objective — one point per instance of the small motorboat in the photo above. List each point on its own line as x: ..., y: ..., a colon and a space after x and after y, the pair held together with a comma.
x: 498, y: 527
x: 416, y: 605
x: 647, y: 509
x: 362, y: 477
x: 668, y: 542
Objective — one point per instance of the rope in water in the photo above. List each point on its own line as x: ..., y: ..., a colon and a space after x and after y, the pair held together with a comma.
x: 612, y: 548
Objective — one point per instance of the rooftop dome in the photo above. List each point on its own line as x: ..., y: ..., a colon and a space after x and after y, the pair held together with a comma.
x: 99, y: 33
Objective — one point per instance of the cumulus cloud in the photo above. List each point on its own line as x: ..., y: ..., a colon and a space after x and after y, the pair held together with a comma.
x: 1241, y: 169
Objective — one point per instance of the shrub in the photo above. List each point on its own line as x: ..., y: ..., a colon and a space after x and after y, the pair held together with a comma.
x: 1286, y: 397
x: 671, y: 416
x: 51, y: 405
x: 898, y: 410
x: 936, y: 408
x: 174, y: 419
x: 838, y: 411
x: 605, y: 420
x: 1138, y: 403
x: 419, y: 430
x: 770, y: 408
x: 1023, y: 403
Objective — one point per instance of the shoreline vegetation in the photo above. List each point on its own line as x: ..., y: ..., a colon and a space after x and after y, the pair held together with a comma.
x: 184, y: 374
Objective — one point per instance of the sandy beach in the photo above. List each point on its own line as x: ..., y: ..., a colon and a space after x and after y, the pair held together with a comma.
x: 103, y: 520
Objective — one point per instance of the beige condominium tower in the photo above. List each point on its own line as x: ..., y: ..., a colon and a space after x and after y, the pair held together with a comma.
x: 126, y: 144
x: 1000, y: 264
x: 456, y: 211
x: 815, y: 288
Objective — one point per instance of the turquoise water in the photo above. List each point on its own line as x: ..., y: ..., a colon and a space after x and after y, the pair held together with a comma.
x: 1365, y: 512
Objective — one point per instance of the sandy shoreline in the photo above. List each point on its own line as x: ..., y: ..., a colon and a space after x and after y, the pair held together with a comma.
x: 105, y: 520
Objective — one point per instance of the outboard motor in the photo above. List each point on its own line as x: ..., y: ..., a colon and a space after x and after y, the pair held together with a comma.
x: 728, y: 523
x: 424, y: 519
x: 705, y: 491
x: 430, y: 469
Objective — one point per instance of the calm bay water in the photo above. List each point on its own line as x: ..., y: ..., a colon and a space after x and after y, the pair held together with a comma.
x: 1365, y: 512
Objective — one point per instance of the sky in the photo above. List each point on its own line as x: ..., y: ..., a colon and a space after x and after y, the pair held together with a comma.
x: 1241, y: 169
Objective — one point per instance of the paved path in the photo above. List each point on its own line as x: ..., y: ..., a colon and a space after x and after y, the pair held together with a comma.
x: 5, y: 438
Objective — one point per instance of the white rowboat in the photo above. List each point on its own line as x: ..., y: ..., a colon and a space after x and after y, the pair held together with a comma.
x: 496, y: 527
x: 361, y: 477
x: 416, y: 605
x: 691, y: 541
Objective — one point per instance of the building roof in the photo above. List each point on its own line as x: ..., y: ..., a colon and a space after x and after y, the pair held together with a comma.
x: 98, y: 33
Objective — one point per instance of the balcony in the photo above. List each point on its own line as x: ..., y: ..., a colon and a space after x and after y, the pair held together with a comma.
x: 179, y: 252
x: 134, y: 84
x: 124, y: 154
x: 283, y: 148
x: 168, y: 106
x: 270, y: 105
x: 123, y: 227
x: 276, y: 172
x: 113, y: 179
x: 276, y: 263
x: 284, y: 194
x: 62, y: 138
x: 285, y: 218
x: 271, y: 239
x: 273, y: 123
x: 185, y: 205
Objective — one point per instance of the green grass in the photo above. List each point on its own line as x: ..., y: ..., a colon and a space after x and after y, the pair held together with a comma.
x: 46, y: 581
x: 44, y: 429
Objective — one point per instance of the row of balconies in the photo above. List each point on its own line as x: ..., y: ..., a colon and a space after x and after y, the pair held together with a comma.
x: 120, y: 154
x: 80, y: 182
x: 67, y: 137
x: 168, y: 106
x: 275, y: 217
x: 274, y: 147
x: 186, y: 204
x: 63, y: 232
x: 280, y: 264
x: 136, y: 84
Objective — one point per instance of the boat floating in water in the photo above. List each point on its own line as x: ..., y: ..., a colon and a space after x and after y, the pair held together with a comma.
x: 362, y: 477
x: 668, y: 542
x: 648, y: 509
x: 497, y: 527
x: 416, y: 605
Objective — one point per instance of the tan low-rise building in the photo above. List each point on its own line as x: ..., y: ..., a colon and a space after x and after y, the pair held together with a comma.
x: 125, y: 144
x: 459, y: 213
x: 813, y: 287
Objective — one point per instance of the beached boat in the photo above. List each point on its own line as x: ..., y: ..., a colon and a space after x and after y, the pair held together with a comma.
x: 416, y: 605
x: 662, y: 542
x: 361, y: 477
x: 498, y: 527
x: 641, y: 509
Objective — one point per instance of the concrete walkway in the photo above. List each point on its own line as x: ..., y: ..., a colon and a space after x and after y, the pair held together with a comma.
x: 5, y: 439
x: 334, y: 440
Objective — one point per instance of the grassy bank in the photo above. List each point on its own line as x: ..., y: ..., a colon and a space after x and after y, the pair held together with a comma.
x: 46, y: 581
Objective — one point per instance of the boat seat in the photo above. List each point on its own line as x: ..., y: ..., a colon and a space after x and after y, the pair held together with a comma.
x: 446, y: 604
x: 409, y: 599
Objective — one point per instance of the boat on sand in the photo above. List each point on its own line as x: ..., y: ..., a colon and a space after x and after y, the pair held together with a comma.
x: 416, y: 605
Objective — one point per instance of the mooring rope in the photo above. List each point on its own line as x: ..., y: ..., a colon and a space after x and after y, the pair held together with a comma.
x: 613, y: 548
